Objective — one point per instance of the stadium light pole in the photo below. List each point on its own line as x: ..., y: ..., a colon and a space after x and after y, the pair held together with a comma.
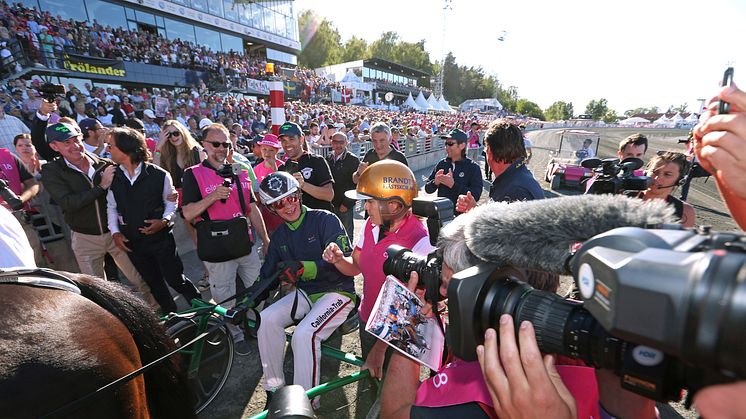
x: 438, y: 90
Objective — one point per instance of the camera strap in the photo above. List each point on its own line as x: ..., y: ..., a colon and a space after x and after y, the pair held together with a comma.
x: 240, y: 194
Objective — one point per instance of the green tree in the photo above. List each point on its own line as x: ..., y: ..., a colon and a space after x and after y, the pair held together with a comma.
x: 355, y: 49
x: 528, y: 108
x: 637, y: 111
x: 610, y: 116
x: 320, y: 41
x: 680, y: 109
x: 384, y: 47
x: 597, y: 108
x: 413, y: 54
x: 559, y: 111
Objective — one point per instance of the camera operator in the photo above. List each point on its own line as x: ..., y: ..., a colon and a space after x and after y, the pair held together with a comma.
x: 506, y: 156
x: 205, y: 197
x: 667, y: 170
x: 388, y: 188
x: 512, y: 381
x: 635, y: 145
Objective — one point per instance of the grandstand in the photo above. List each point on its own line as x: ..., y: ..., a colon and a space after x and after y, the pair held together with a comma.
x: 149, y: 43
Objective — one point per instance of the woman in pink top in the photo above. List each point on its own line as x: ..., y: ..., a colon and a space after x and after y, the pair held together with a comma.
x: 268, y: 147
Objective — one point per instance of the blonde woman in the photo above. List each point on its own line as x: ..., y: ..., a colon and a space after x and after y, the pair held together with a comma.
x: 177, y: 150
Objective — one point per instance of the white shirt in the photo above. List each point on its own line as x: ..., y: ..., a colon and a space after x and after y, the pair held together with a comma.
x: 111, y: 204
x: 17, y: 251
x: 91, y: 171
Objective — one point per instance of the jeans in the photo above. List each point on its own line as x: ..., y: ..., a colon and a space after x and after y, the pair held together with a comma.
x: 348, y: 221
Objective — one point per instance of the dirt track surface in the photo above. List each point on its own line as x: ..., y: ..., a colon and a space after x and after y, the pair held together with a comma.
x: 243, y: 395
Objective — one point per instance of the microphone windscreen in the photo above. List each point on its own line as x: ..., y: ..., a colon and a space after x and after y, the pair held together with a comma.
x: 539, y: 234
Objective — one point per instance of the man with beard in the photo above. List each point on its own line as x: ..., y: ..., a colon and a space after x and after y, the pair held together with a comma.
x: 311, y: 171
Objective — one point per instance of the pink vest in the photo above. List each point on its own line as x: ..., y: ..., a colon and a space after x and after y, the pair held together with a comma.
x: 462, y: 382
x: 208, y: 181
x: 373, y: 254
x: 261, y: 171
x: 9, y: 173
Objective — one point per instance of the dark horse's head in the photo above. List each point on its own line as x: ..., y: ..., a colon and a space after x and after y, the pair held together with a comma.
x: 57, y: 346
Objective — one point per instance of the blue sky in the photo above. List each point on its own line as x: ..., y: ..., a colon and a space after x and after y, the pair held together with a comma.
x: 633, y: 53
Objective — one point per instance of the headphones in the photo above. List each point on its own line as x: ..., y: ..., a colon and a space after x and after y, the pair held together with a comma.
x: 685, y: 168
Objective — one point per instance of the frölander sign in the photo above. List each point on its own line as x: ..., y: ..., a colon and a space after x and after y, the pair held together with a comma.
x: 93, y: 65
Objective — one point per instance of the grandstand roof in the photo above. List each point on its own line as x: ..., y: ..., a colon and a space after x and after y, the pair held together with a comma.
x: 381, y: 64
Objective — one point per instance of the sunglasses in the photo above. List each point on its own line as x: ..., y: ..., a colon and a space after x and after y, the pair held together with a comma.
x: 218, y: 144
x: 173, y: 134
x: 450, y: 143
x: 288, y: 200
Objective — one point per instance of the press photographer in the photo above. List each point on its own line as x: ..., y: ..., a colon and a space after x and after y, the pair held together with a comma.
x: 586, y: 221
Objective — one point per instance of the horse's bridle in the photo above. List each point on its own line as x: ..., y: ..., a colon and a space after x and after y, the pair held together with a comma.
x: 38, y: 277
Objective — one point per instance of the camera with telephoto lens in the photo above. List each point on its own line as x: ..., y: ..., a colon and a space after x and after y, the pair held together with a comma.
x: 10, y: 197
x: 614, y: 177
x: 400, y: 261
x: 50, y: 91
x: 663, y: 309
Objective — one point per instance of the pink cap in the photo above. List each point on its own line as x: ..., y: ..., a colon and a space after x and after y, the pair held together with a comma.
x: 270, y: 140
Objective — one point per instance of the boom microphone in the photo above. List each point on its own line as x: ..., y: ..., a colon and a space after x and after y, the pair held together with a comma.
x: 541, y: 234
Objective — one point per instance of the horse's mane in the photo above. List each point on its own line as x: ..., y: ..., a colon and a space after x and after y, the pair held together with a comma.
x: 168, y: 393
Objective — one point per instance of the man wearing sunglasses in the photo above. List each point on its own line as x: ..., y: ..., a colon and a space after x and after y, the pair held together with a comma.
x: 205, y: 198
x: 311, y: 171
x: 456, y: 174
x: 322, y: 296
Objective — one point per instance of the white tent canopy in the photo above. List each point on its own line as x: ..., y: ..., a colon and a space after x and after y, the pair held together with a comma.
x: 423, y: 103
x: 443, y: 104
x: 433, y: 102
x: 662, y: 120
x: 692, y: 118
x: 634, y: 121
x: 352, y: 81
x: 677, y: 118
x: 410, y: 103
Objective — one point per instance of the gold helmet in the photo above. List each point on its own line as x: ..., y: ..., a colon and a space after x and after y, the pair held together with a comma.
x: 385, y: 180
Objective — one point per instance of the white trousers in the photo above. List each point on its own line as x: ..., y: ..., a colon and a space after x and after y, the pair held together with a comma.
x: 319, y: 322
x: 223, y: 275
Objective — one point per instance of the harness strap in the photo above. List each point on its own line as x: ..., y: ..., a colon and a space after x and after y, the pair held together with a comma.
x: 39, y: 278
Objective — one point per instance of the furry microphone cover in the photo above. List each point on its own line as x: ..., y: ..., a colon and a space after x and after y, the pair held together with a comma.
x: 539, y: 234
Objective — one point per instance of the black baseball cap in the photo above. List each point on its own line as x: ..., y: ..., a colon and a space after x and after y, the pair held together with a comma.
x: 290, y: 128
x: 62, y: 131
x: 87, y: 124
x: 457, y: 135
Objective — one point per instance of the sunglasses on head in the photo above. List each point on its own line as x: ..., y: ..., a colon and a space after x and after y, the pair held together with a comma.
x: 291, y: 199
x: 173, y: 134
x: 218, y: 144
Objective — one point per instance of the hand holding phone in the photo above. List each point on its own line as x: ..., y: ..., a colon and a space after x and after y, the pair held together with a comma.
x: 723, y: 106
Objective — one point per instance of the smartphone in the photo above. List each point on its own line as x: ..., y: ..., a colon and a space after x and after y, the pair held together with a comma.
x: 724, y: 107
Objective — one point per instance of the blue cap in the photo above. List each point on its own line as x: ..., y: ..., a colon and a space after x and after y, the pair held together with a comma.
x: 457, y: 135
x: 290, y: 128
x: 62, y: 131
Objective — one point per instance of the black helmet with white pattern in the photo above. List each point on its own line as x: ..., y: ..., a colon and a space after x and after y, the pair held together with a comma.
x: 277, y: 185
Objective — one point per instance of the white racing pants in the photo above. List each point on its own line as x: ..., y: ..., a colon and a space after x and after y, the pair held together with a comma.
x: 319, y: 322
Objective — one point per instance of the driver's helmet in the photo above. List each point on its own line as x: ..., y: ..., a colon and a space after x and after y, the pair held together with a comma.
x: 384, y: 180
x: 277, y: 185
